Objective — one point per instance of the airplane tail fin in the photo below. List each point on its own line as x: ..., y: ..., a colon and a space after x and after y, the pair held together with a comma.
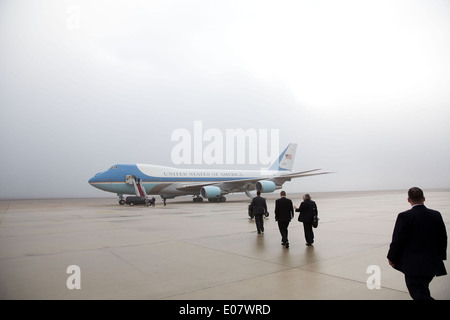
x: 286, y: 159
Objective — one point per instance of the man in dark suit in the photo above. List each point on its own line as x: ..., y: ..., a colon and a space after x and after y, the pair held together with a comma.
x: 284, y: 212
x: 419, y: 245
x: 308, y: 209
x: 259, y: 207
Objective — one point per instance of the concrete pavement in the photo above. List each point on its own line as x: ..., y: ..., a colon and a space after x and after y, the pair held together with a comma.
x: 189, y: 250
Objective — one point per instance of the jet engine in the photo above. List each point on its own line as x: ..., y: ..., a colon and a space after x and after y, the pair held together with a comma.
x: 265, y: 186
x: 210, y: 192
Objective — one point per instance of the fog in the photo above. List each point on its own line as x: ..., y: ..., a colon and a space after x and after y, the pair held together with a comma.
x: 361, y: 86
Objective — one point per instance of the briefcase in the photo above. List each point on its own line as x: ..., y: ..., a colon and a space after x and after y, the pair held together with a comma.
x: 315, y: 221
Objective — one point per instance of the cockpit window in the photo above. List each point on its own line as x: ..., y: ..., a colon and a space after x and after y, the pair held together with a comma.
x: 114, y: 167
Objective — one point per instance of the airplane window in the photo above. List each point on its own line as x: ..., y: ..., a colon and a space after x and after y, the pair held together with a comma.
x: 114, y: 167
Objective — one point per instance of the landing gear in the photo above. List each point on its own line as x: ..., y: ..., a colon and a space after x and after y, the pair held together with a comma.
x: 218, y: 199
x: 197, y: 198
x: 121, y: 199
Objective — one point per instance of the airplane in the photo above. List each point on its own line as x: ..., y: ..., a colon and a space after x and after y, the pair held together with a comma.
x: 169, y: 182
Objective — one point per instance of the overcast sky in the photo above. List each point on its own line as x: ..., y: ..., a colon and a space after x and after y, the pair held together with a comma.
x: 363, y: 87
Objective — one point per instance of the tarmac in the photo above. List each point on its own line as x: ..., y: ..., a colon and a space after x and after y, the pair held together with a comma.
x: 204, y: 251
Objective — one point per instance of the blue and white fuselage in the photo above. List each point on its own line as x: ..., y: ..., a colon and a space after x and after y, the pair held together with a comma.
x: 169, y: 182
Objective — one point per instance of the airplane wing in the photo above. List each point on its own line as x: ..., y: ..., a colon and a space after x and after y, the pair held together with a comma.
x: 287, y: 177
x: 244, y: 184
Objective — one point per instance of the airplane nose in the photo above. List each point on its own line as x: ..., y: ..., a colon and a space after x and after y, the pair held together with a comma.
x: 95, y: 178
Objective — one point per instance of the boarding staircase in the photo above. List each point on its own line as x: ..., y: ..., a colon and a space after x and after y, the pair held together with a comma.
x: 138, y: 186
